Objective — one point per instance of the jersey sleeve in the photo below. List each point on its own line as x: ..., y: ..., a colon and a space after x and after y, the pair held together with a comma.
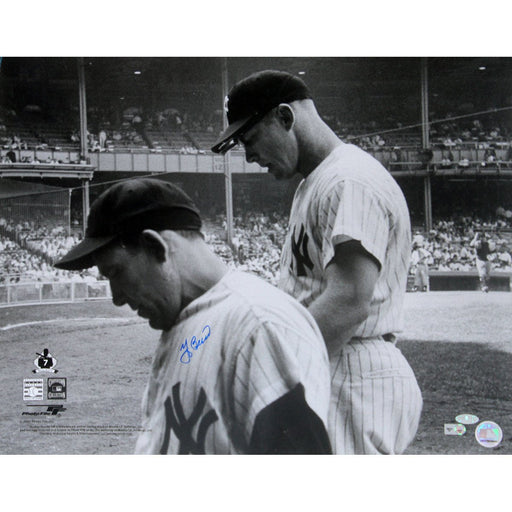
x: 289, y: 426
x: 272, y: 363
x: 352, y: 211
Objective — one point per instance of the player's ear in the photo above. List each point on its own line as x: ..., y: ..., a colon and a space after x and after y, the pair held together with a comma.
x: 155, y: 244
x: 286, y: 115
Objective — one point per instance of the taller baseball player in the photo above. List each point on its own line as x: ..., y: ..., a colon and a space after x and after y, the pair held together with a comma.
x: 241, y: 367
x: 345, y: 258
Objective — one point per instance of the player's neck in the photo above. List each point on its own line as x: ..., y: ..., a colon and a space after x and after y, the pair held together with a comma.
x: 205, y: 271
x: 320, y: 142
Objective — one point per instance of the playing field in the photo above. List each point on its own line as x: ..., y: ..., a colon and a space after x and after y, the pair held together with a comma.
x: 458, y: 343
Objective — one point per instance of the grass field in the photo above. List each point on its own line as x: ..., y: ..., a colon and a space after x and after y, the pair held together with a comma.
x: 458, y: 343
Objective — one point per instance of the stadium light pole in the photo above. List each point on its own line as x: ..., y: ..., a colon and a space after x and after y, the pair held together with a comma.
x: 83, y: 109
x: 83, y: 137
x: 227, y: 168
x: 70, y: 191
x: 427, y: 186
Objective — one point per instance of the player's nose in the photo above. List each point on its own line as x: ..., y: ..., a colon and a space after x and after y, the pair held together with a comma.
x: 250, y: 156
x: 118, y: 298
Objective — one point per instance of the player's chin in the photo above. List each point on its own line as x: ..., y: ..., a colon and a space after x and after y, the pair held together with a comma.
x: 278, y: 175
x: 152, y: 320
x: 281, y: 173
x: 155, y: 323
x: 159, y: 323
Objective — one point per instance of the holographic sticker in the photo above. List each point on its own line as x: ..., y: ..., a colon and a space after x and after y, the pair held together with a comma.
x: 454, y: 429
x: 488, y: 434
x: 466, y: 419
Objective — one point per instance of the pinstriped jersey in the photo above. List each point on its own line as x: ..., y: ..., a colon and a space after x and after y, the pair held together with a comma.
x: 349, y: 196
x: 232, y: 352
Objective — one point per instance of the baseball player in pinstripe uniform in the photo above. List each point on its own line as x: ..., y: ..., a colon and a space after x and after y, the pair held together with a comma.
x: 345, y: 258
x: 241, y: 366
x: 483, y: 249
x: 419, y: 259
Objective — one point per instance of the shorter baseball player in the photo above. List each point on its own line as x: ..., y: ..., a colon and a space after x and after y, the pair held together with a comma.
x: 241, y: 367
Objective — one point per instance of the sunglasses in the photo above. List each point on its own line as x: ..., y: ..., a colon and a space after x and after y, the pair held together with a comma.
x: 224, y: 146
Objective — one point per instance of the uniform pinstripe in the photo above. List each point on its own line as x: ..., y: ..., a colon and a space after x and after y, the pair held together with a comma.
x: 375, y: 401
x: 261, y: 344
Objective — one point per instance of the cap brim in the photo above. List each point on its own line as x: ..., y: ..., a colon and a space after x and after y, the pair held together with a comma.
x: 231, y: 133
x: 81, y: 255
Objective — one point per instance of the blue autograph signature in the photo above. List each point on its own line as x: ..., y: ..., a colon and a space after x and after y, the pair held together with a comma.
x: 195, y: 343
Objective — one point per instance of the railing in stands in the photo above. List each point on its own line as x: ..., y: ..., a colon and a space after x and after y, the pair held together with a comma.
x: 170, y: 161
x: 51, y: 292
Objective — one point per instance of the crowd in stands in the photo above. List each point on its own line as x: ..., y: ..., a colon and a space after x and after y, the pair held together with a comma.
x: 10, y: 143
x: 175, y: 130
x: 365, y: 135
x: 257, y: 242
x: 28, y: 249
x: 161, y: 129
x: 258, y: 239
x: 9, y: 139
x: 448, y: 136
x: 174, y: 120
x: 18, y: 265
x: 453, y: 134
x: 10, y: 157
x: 107, y: 139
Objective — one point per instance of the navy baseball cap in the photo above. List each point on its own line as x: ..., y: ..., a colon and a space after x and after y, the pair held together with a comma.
x: 129, y: 207
x: 255, y: 96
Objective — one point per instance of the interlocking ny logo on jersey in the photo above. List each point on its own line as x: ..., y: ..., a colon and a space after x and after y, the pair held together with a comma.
x: 176, y: 421
x: 300, y: 252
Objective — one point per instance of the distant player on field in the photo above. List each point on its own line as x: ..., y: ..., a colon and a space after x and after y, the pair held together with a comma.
x: 346, y: 256
x: 419, y: 260
x: 483, y: 249
x: 241, y: 367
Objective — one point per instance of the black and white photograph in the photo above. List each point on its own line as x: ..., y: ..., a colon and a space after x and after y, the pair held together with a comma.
x: 274, y: 229
x: 272, y: 255
x: 375, y: 192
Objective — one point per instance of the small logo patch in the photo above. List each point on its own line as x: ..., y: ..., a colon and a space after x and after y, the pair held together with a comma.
x: 32, y: 389
x: 56, y: 389
x: 45, y: 363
